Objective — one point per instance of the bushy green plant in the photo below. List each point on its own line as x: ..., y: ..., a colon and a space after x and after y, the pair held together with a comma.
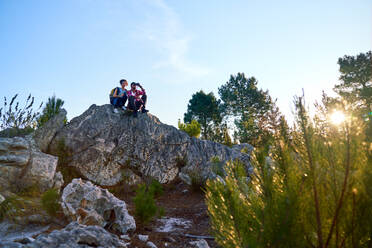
x: 197, y: 179
x: 52, y: 108
x: 156, y: 188
x: 50, y: 202
x: 27, y: 190
x: 14, y: 116
x: 15, y: 132
x: 217, y: 166
x: 144, y: 202
x: 310, y: 188
x: 10, y: 208
x: 192, y: 129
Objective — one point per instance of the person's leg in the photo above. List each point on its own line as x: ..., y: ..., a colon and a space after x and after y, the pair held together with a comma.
x: 144, y: 100
x: 137, y: 107
x: 131, y: 103
x: 124, y: 99
x: 115, y: 101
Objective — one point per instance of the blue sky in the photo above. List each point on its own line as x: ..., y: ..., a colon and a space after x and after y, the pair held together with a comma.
x: 80, y: 49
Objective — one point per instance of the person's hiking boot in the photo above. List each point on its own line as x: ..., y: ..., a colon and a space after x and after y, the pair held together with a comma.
x: 144, y: 110
x: 116, y: 111
x: 135, y: 114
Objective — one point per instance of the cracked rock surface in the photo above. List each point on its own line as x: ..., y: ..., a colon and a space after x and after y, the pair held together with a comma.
x: 101, y: 145
x: 23, y: 165
x: 91, y: 205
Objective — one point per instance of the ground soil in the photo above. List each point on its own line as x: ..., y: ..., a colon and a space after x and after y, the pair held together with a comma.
x: 178, y: 201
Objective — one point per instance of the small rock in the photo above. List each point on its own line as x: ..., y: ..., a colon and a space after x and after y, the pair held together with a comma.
x: 143, y: 238
x: 126, y: 237
x: 25, y: 240
x: 151, y: 245
x: 2, y: 198
x: 9, y: 244
x: 201, y: 243
x: 170, y: 239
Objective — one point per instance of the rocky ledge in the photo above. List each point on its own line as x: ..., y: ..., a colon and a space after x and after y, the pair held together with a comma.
x: 107, y: 147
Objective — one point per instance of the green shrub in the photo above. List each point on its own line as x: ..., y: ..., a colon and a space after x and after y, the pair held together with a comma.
x: 27, y: 191
x: 192, y: 129
x: 15, y: 132
x: 50, y: 202
x: 145, y: 206
x: 156, y: 188
x: 14, y: 116
x: 197, y: 180
x: 51, y: 108
x: 217, y: 166
x: 313, y: 191
x: 10, y: 208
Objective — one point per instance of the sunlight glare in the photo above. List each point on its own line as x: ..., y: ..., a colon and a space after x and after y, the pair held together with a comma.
x: 337, y: 117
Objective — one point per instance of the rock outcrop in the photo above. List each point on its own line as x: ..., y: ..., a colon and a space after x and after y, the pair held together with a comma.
x: 73, y: 235
x: 23, y: 165
x: 92, y: 205
x: 43, y: 136
x: 101, y: 145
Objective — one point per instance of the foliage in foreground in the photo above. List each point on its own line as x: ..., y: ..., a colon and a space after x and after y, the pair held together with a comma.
x: 312, y: 188
x: 15, y: 116
x: 145, y: 206
x: 10, y: 208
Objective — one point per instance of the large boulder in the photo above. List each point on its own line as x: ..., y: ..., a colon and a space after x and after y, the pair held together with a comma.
x: 45, y: 134
x: 23, y: 165
x: 101, y: 145
x: 92, y: 205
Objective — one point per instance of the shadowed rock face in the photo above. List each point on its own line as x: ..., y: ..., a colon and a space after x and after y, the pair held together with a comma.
x: 44, y: 135
x: 102, y: 144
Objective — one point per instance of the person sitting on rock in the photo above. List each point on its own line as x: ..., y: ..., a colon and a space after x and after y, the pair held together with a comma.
x: 119, y: 96
x: 137, y: 99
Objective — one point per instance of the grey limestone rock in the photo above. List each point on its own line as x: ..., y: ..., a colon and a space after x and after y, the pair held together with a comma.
x: 151, y: 245
x: 22, y: 165
x: 44, y: 135
x: 200, y: 243
x: 76, y: 235
x: 143, y: 238
x: 92, y: 205
x: 101, y: 145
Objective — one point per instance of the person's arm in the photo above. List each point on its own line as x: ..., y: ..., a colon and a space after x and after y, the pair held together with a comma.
x: 116, y: 93
x: 143, y: 92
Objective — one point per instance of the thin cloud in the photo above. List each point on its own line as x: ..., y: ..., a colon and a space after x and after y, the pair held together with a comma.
x: 164, y: 30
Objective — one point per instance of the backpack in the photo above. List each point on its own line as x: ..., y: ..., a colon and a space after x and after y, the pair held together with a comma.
x: 112, y: 92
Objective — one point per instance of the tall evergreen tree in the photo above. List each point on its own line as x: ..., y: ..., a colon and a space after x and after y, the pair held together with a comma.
x: 249, y: 107
x: 205, y: 109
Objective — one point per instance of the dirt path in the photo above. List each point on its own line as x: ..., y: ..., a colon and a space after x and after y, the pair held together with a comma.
x: 185, y: 214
